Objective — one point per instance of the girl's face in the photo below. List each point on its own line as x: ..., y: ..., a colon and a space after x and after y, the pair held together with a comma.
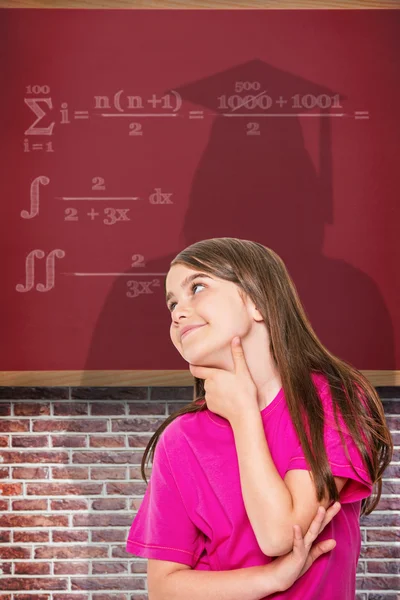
x: 213, y: 303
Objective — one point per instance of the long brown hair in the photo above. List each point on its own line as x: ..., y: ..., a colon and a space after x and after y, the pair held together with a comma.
x: 262, y: 275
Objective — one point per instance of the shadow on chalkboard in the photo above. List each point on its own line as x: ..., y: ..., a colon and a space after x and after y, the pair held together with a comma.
x: 264, y: 187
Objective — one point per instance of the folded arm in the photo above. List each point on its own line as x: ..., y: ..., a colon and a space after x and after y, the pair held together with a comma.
x: 173, y: 581
x: 273, y: 504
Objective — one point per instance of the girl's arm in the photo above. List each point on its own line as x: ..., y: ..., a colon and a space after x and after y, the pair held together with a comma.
x: 174, y: 581
x: 252, y: 583
x: 273, y: 505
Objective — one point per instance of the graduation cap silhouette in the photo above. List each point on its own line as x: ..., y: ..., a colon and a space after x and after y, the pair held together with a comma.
x: 261, y: 84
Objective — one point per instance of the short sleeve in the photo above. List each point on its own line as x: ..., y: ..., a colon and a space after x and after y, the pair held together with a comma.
x: 359, y: 484
x: 162, y: 528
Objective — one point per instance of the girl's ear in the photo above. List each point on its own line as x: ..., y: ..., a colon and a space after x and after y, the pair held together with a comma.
x: 256, y: 314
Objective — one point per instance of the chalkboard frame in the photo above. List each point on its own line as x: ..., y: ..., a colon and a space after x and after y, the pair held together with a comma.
x: 171, y: 377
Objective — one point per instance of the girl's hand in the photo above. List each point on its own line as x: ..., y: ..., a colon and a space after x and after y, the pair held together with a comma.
x: 293, y: 565
x: 229, y: 393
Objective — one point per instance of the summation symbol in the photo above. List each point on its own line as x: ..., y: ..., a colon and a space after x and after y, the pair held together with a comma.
x: 33, y: 104
x: 30, y: 270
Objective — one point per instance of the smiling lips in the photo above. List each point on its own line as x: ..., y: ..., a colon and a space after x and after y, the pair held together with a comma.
x: 191, y: 329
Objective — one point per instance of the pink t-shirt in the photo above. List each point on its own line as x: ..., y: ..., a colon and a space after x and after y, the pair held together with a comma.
x: 193, y: 510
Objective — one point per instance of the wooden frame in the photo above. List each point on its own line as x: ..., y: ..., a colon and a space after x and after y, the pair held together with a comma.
x: 137, y: 378
x: 204, y: 4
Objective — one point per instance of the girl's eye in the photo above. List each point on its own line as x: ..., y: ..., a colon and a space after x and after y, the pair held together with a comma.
x: 194, y: 285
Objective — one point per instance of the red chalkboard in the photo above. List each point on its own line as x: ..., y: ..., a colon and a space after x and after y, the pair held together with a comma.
x: 128, y: 135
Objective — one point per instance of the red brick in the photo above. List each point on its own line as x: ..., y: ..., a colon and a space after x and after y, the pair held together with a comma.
x: 10, y: 489
x: 30, y: 473
x: 3, y: 443
x: 391, y: 487
x: 145, y: 424
x: 31, y: 536
x: 384, y: 551
x: 70, y: 472
x: 107, y: 408
x: 63, y: 489
x: 388, y: 504
x: 70, y: 409
x: 74, y: 597
x: 75, y: 425
x: 106, y: 583
x: 71, y: 552
x: 70, y: 536
x: 5, y: 569
x: 378, y: 583
x: 29, y: 441
x: 108, y: 473
x: 29, y: 583
x: 392, y: 471
x: 31, y: 597
x: 13, y: 425
x: 119, y: 552
x: 147, y: 408
x: 171, y: 394
x: 107, y: 441
x: 117, y: 457
x: 69, y: 441
x: 380, y: 520
x: 67, y: 504
x: 33, y: 521
x: 114, y: 597
x: 138, y: 566
x: 5, y: 409
x: 109, y: 393
x: 29, y: 504
x: 102, y: 520
x: 71, y: 568
x: 386, y: 567
x: 393, y: 423
x: 136, y: 473
x: 396, y: 440
x: 109, y: 504
x: 109, y: 535
x: 109, y: 567
x: 31, y: 568
x: 45, y: 456
x: 31, y: 409
x: 11, y: 552
x: 4, y: 472
x: 383, y: 535
x: 5, y: 538
x: 127, y: 489
x: 136, y: 441
x: 135, y: 503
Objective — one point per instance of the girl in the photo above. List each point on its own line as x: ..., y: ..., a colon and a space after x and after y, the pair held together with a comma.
x: 277, y: 427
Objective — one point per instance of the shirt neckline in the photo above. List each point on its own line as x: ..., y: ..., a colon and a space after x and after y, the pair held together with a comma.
x: 222, y: 422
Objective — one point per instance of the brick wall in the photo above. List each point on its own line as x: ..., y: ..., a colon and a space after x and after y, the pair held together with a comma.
x: 70, y: 484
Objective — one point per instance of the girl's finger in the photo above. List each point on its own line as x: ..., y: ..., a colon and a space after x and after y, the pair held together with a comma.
x: 319, y: 522
x: 315, y: 527
x: 330, y: 513
x: 316, y: 551
x: 298, y: 549
x: 321, y: 548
